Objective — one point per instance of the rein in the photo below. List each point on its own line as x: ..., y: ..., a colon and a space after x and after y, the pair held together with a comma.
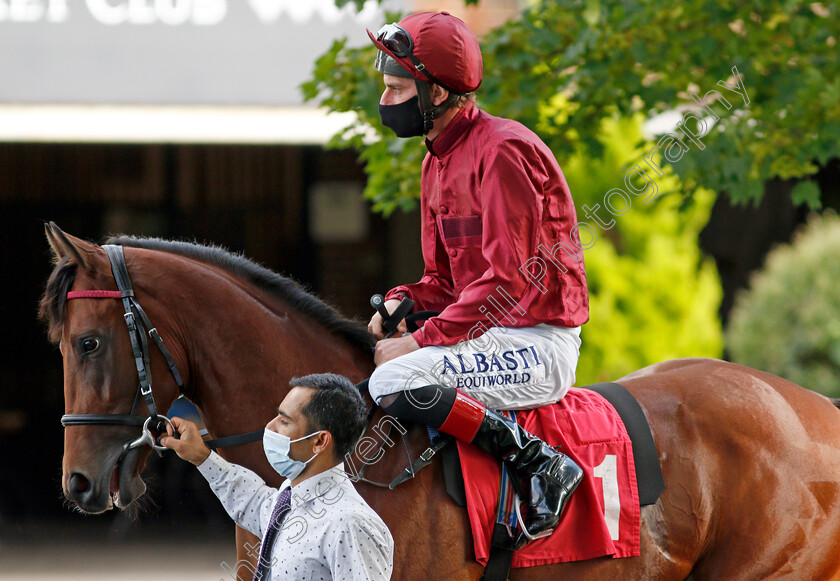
x: 423, y: 460
x: 390, y: 321
x: 139, y: 326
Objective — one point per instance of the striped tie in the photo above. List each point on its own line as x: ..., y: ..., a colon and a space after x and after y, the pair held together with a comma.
x: 281, y: 509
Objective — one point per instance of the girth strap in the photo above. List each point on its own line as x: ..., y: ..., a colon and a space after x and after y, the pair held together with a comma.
x: 501, y: 555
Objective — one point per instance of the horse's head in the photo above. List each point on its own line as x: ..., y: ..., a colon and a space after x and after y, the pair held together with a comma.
x: 100, y: 376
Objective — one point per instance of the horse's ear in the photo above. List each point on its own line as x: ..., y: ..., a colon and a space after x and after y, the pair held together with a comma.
x: 64, y: 245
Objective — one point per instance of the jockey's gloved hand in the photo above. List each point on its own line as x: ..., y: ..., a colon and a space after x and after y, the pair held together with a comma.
x: 375, y: 325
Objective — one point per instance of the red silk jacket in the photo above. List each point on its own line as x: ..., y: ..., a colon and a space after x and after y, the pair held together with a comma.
x: 499, y: 236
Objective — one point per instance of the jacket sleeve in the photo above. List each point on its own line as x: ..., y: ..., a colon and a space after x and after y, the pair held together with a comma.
x: 435, y: 290
x: 512, y: 186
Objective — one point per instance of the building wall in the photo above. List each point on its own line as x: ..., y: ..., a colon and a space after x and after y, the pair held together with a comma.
x: 481, y: 17
x: 252, y: 199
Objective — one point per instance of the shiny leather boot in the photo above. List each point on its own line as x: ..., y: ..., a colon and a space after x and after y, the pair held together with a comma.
x: 543, y: 477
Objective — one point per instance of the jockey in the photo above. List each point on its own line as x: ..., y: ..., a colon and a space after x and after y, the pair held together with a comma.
x: 501, y: 265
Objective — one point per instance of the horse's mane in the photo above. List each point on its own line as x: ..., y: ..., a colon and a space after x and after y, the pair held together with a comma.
x: 291, y: 292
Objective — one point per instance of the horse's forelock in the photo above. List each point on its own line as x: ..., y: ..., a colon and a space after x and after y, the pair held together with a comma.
x: 54, y: 300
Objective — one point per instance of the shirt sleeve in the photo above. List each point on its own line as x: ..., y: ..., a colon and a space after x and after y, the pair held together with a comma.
x: 511, y: 213
x: 245, y: 496
x: 361, y: 551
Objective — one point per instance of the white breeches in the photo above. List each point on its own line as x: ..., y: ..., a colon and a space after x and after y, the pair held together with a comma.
x: 505, y: 368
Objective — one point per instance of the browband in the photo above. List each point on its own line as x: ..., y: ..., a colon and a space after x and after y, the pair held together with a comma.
x: 94, y: 294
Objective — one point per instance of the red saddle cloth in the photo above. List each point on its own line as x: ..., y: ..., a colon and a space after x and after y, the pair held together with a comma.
x: 602, y: 516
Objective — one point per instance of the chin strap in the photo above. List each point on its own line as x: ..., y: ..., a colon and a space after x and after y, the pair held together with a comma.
x: 431, y: 112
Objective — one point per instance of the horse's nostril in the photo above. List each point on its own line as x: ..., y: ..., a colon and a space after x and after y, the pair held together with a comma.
x: 79, y: 483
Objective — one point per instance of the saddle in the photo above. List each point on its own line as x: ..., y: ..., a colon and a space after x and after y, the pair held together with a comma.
x: 605, y: 430
x: 649, y: 479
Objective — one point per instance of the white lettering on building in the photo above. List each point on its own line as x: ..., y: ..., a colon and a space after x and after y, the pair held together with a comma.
x: 171, y: 12
x: 300, y: 11
x: 33, y: 10
x: 180, y: 12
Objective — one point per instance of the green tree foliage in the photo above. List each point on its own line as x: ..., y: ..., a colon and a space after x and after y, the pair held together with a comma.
x: 344, y: 80
x: 788, y: 321
x: 565, y: 65
x: 652, y: 296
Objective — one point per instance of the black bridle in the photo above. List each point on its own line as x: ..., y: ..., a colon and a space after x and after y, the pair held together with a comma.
x: 139, y: 326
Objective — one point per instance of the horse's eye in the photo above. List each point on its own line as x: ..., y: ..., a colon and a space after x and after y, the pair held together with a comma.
x: 90, y: 345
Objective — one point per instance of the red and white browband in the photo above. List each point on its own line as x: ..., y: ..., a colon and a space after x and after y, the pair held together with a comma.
x: 94, y: 294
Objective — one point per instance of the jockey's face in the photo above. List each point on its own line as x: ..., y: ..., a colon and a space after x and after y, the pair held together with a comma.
x: 397, y: 90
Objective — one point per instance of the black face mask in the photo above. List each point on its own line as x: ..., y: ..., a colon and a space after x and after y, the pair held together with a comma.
x: 403, y: 118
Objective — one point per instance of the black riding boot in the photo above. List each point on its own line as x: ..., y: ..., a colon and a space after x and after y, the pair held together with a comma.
x: 543, y: 477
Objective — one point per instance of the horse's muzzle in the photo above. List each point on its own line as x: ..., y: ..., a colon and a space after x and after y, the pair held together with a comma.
x: 117, y: 485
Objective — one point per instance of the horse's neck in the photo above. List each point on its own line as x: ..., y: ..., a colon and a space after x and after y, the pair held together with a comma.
x: 241, y: 364
x: 242, y: 359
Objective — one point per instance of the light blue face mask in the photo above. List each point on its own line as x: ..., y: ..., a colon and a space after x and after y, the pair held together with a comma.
x: 277, y: 448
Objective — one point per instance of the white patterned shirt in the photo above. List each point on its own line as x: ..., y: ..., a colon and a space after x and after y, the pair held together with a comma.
x: 330, y: 532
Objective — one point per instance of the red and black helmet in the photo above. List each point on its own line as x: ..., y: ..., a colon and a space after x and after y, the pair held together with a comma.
x: 431, y: 46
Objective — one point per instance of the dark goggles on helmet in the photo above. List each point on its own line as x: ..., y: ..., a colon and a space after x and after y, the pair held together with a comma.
x: 395, y: 38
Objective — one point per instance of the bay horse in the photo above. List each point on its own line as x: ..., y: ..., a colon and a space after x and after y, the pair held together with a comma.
x: 750, y: 460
